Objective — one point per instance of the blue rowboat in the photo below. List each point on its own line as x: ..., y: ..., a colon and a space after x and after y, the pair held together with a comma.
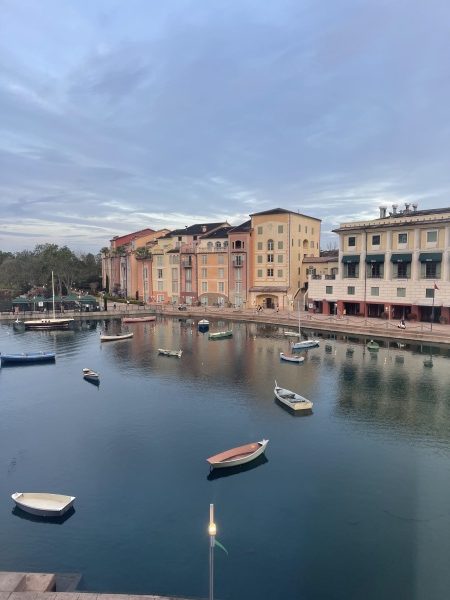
x: 27, y: 358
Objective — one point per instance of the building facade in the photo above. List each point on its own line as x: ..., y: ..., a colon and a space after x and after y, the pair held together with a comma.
x: 394, y: 267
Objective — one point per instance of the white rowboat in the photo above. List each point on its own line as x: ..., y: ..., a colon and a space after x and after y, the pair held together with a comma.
x: 292, y: 399
x: 117, y: 336
x: 43, y: 504
x: 177, y: 353
x: 295, y: 358
x: 237, y: 456
x: 90, y: 375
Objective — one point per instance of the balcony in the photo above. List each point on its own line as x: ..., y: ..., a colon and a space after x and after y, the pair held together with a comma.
x: 237, y: 262
x: 186, y: 263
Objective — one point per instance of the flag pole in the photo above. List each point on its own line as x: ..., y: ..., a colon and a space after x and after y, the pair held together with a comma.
x: 212, y: 535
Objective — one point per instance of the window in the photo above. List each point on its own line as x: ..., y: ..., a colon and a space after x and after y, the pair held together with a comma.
x: 375, y: 270
x: 431, y: 237
x: 160, y: 273
x: 280, y: 245
x: 174, y: 274
x: 280, y: 228
x: 259, y: 258
x: 238, y: 244
x: 210, y: 246
x: 159, y: 260
x: 374, y: 291
x: 204, y: 259
x: 351, y: 242
x: 270, y: 258
x: 238, y: 286
x: 311, y: 244
x: 260, y: 230
x: 431, y: 270
x: 429, y: 293
x: 401, y: 292
x: 402, y: 270
x: 376, y: 240
x: 312, y: 230
x: 351, y: 270
x: 260, y: 246
x: 160, y: 298
x: 270, y: 245
x: 280, y: 258
x: 188, y: 286
x: 221, y: 287
x: 280, y: 273
x: 237, y: 275
x: 351, y: 290
x: 306, y: 228
x: 238, y: 260
x: 204, y: 286
x: 221, y: 259
x: 298, y: 271
x: 175, y: 287
x: 221, y: 273
x: 160, y: 286
x: 204, y: 273
x: 269, y: 272
x: 259, y: 273
x: 402, y: 238
x: 218, y: 246
x: 329, y: 289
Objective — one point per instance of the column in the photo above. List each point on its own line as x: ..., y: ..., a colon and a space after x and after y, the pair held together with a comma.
x: 415, y: 264
x: 387, y: 257
x: 444, y: 266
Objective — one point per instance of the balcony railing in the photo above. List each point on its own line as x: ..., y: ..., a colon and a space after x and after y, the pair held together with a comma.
x: 186, y: 263
x: 237, y: 263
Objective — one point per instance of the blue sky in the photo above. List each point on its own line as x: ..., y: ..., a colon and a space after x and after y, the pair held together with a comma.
x: 116, y: 116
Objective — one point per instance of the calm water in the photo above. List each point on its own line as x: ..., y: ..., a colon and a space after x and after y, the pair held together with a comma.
x: 352, y: 501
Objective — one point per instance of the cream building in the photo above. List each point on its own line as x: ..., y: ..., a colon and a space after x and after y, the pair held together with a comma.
x: 280, y: 241
x: 396, y: 266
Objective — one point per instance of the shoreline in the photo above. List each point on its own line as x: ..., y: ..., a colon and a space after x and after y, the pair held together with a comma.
x: 369, y: 327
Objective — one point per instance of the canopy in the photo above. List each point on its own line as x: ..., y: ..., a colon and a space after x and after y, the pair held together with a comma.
x: 350, y: 258
x: 401, y: 258
x: 375, y: 258
x: 430, y: 256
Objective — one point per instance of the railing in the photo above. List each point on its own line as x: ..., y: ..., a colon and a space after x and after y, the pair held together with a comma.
x: 186, y: 263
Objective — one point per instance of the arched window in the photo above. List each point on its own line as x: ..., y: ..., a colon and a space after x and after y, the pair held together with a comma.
x: 225, y: 244
x: 305, y: 244
x: 269, y: 244
x: 237, y: 244
x: 218, y: 245
x: 210, y: 246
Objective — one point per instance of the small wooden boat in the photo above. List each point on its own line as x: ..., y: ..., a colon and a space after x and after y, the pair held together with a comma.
x: 43, y: 504
x: 138, y: 319
x: 292, y: 333
x: 295, y: 358
x: 27, y: 358
x: 91, y: 375
x: 237, y: 456
x: 203, y: 326
x: 166, y: 352
x: 292, y: 399
x: 304, y: 344
x: 117, y: 336
x: 372, y: 345
x: 220, y: 334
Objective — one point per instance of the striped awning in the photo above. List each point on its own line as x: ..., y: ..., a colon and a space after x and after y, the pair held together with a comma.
x: 401, y: 258
x: 350, y: 258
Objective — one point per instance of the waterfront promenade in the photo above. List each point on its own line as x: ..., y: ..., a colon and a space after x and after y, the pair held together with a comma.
x: 417, y: 332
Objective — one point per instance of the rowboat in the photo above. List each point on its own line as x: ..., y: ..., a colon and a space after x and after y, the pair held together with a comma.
x: 295, y: 358
x: 27, y: 358
x: 138, y: 319
x: 166, y: 352
x: 292, y: 333
x: 220, y: 334
x: 203, y: 325
x: 91, y: 375
x: 303, y: 344
x: 116, y: 336
x: 292, y: 399
x: 237, y: 456
x: 372, y: 345
x: 43, y: 504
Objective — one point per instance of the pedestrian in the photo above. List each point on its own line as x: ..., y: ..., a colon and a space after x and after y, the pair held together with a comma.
x: 114, y: 306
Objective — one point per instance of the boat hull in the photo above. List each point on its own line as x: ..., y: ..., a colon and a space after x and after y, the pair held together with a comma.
x: 27, y: 358
x: 290, y: 358
x: 113, y: 338
x: 48, y: 324
x: 138, y: 319
x: 238, y: 456
x: 220, y: 335
x: 294, y: 402
x: 165, y: 352
x: 42, y: 504
x: 305, y: 344
x: 203, y: 326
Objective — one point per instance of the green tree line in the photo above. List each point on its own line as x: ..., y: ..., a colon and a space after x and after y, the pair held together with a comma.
x: 23, y: 271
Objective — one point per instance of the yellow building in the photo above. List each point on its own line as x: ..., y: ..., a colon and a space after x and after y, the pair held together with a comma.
x: 394, y: 267
x: 280, y: 241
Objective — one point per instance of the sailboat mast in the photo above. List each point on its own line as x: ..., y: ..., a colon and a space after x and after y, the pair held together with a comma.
x: 53, y: 294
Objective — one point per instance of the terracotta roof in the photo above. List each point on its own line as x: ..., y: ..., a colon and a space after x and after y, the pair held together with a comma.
x: 125, y: 239
x: 276, y: 211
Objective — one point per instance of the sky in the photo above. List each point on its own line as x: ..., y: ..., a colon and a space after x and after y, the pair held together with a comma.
x: 117, y: 116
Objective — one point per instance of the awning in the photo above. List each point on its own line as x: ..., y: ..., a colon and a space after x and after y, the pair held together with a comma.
x: 350, y: 258
x: 401, y: 258
x: 430, y: 257
x: 375, y: 258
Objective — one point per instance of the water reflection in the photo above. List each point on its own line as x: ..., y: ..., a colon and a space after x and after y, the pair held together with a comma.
x: 18, y: 512
x: 229, y: 471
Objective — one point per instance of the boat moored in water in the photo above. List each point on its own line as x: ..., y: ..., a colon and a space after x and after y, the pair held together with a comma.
x: 295, y: 358
x: 43, y: 504
x: 113, y: 337
x: 237, y: 456
x: 139, y: 319
x: 27, y: 358
x: 91, y: 375
x: 203, y: 326
x: 217, y: 335
x: 166, y: 352
x: 292, y: 399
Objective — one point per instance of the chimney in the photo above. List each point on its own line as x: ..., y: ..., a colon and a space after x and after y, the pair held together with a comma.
x: 414, y: 206
x: 382, y: 212
x: 394, y: 209
x: 406, y: 206
x: 203, y: 228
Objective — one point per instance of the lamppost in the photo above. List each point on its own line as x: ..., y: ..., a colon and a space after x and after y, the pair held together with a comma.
x: 212, y: 530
